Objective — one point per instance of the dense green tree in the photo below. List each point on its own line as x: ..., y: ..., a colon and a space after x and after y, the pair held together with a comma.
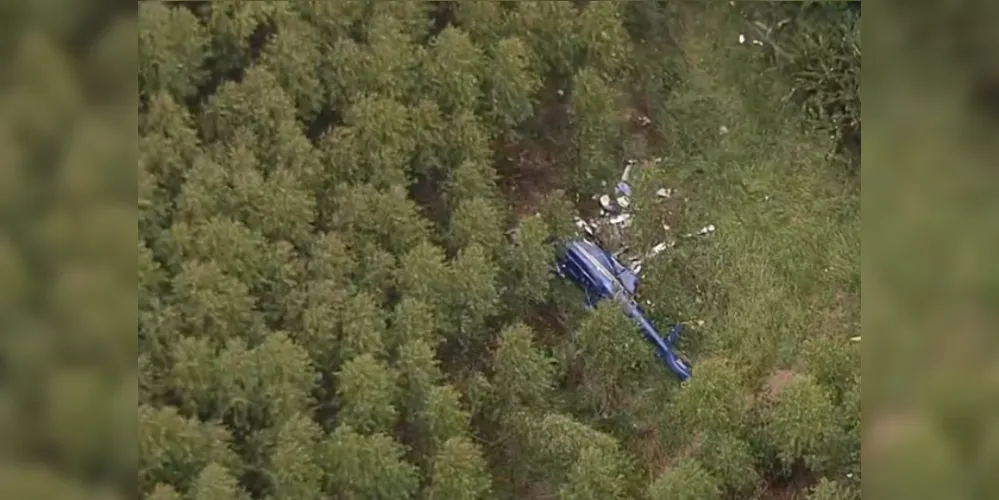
x: 556, y: 211
x: 472, y: 295
x: 173, y: 45
x: 423, y: 275
x: 801, y: 422
x: 412, y: 320
x: 294, y: 55
x: 685, y: 480
x: 485, y: 22
x: 450, y: 73
x: 164, y: 492
x: 729, y: 459
x: 602, y: 39
x: 714, y: 401
x: 525, y: 265
x: 468, y: 181
x: 168, y: 147
x: 293, y: 467
x: 173, y: 449
x: 550, y: 30
x: 385, y: 65
x: 596, y: 475
x: 459, y: 472
x: 365, y: 214
x: 367, y: 390
x: 831, y: 490
x: 285, y: 377
x: 233, y: 24
x: 330, y: 259
x: 510, y: 83
x: 362, y: 326
x: 832, y: 361
x: 597, y: 125
x: 237, y: 250
x: 333, y: 20
x: 374, y: 145
x: 476, y: 221
x: 195, y: 376
x: 418, y: 371
x: 209, y: 302
x: 615, y: 357
x: 444, y: 418
x: 522, y: 373
x: 468, y: 140
x: 554, y: 442
x: 215, y: 482
x: 368, y: 466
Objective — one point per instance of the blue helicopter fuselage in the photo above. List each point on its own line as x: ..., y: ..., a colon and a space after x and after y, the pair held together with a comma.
x: 602, y: 276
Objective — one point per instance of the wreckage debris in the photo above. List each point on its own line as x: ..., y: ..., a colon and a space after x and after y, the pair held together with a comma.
x: 620, y: 219
x: 605, y: 201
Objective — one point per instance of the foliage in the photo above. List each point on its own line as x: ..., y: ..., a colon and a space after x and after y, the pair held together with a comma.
x: 347, y: 216
x: 816, y: 45
x: 685, y: 480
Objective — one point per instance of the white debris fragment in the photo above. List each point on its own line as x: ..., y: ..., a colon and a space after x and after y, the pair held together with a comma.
x: 710, y: 228
x: 620, y: 219
x: 757, y: 42
x: 644, y: 120
x: 856, y: 339
x: 664, y: 193
x: 656, y: 250
x: 627, y: 171
x: 605, y: 202
x: 637, y: 268
x: 666, y: 227
x: 700, y: 322
x: 560, y: 92
x: 658, y: 159
x: 742, y: 40
x: 623, y: 201
x: 723, y: 130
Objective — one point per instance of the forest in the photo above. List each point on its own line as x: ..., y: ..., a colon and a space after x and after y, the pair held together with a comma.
x: 348, y: 213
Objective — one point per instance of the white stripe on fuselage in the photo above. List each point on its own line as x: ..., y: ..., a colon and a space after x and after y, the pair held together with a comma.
x: 603, y: 270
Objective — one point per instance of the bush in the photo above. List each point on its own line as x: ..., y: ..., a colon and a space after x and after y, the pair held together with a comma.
x: 816, y: 46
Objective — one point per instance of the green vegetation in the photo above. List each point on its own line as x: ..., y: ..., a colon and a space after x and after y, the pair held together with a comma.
x: 330, y: 304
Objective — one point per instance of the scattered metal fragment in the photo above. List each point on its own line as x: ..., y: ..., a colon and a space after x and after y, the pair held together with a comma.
x: 623, y: 201
x: 664, y: 193
x: 620, y: 218
x: 624, y: 188
x: 710, y: 228
x: 627, y: 172
x: 605, y: 201
x: 658, y: 249
x: 644, y: 120
x: 856, y: 339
